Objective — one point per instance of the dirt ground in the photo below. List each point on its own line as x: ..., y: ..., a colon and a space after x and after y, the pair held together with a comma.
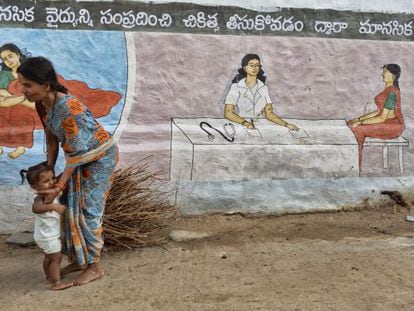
x: 355, y: 260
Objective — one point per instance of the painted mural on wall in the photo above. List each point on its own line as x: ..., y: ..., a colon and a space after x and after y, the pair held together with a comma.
x: 248, y: 98
x: 387, y: 121
x: 314, y: 148
x: 272, y: 104
x: 184, y: 100
x: 94, y: 74
x: 217, y: 19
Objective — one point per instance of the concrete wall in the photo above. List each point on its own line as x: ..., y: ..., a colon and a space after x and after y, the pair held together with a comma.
x: 171, y: 81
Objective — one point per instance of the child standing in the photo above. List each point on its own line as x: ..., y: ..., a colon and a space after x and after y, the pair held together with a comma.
x: 48, y: 222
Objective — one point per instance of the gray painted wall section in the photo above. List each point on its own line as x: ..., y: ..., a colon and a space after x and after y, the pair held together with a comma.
x: 16, y: 209
x: 279, y: 197
x: 270, y: 197
x: 255, y: 196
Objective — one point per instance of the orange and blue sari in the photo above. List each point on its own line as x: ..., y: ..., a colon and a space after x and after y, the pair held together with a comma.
x: 91, y: 150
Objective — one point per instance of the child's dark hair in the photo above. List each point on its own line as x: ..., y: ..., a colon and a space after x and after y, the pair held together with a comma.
x: 32, y: 173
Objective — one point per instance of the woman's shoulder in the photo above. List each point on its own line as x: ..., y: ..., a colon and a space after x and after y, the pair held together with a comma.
x: 70, y: 103
x: 261, y: 84
x: 235, y: 86
x: 237, y: 81
x: 262, y: 87
x: 392, y: 89
x: 391, y: 93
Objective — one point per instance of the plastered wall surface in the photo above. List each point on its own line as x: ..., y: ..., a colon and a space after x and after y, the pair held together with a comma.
x: 399, y: 6
x: 170, y: 87
x: 308, y: 78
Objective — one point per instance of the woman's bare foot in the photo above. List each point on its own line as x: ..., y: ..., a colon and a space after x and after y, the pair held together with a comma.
x: 72, y: 267
x: 92, y: 273
x: 59, y: 285
x: 16, y: 152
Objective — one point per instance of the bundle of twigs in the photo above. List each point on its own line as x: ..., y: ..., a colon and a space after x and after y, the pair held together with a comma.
x: 136, y: 209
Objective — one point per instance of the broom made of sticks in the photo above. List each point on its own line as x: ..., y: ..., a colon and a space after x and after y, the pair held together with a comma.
x: 137, y: 209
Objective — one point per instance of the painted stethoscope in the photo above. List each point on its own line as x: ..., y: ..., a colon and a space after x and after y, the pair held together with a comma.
x: 229, y: 130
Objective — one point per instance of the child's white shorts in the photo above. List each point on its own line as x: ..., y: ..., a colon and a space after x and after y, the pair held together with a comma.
x: 50, y: 246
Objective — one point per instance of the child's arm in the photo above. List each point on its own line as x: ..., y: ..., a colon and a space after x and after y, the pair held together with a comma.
x: 39, y: 206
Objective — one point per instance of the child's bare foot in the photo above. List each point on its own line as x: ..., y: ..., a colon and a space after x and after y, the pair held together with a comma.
x: 72, y: 267
x: 59, y: 285
x: 91, y: 274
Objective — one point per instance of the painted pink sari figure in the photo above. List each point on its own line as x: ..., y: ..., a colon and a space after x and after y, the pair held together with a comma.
x: 387, y: 121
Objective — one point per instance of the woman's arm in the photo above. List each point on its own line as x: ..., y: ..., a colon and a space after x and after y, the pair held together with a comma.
x: 272, y: 117
x: 52, y: 151
x: 9, y: 100
x: 52, y: 193
x: 368, y: 115
x: 5, y: 93
x: 234, y: 117
x: 378, y: 118
x: 363, y: 117
x: 28, y: 104
x: 52, y: 147
x: 64, y: 177
x: 386, y: 114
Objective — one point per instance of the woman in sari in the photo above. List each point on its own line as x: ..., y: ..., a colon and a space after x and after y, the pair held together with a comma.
x: 91, y: 156
x: 387, y: 121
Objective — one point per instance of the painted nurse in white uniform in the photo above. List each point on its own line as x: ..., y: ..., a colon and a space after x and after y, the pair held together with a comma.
x: 248, y: 98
